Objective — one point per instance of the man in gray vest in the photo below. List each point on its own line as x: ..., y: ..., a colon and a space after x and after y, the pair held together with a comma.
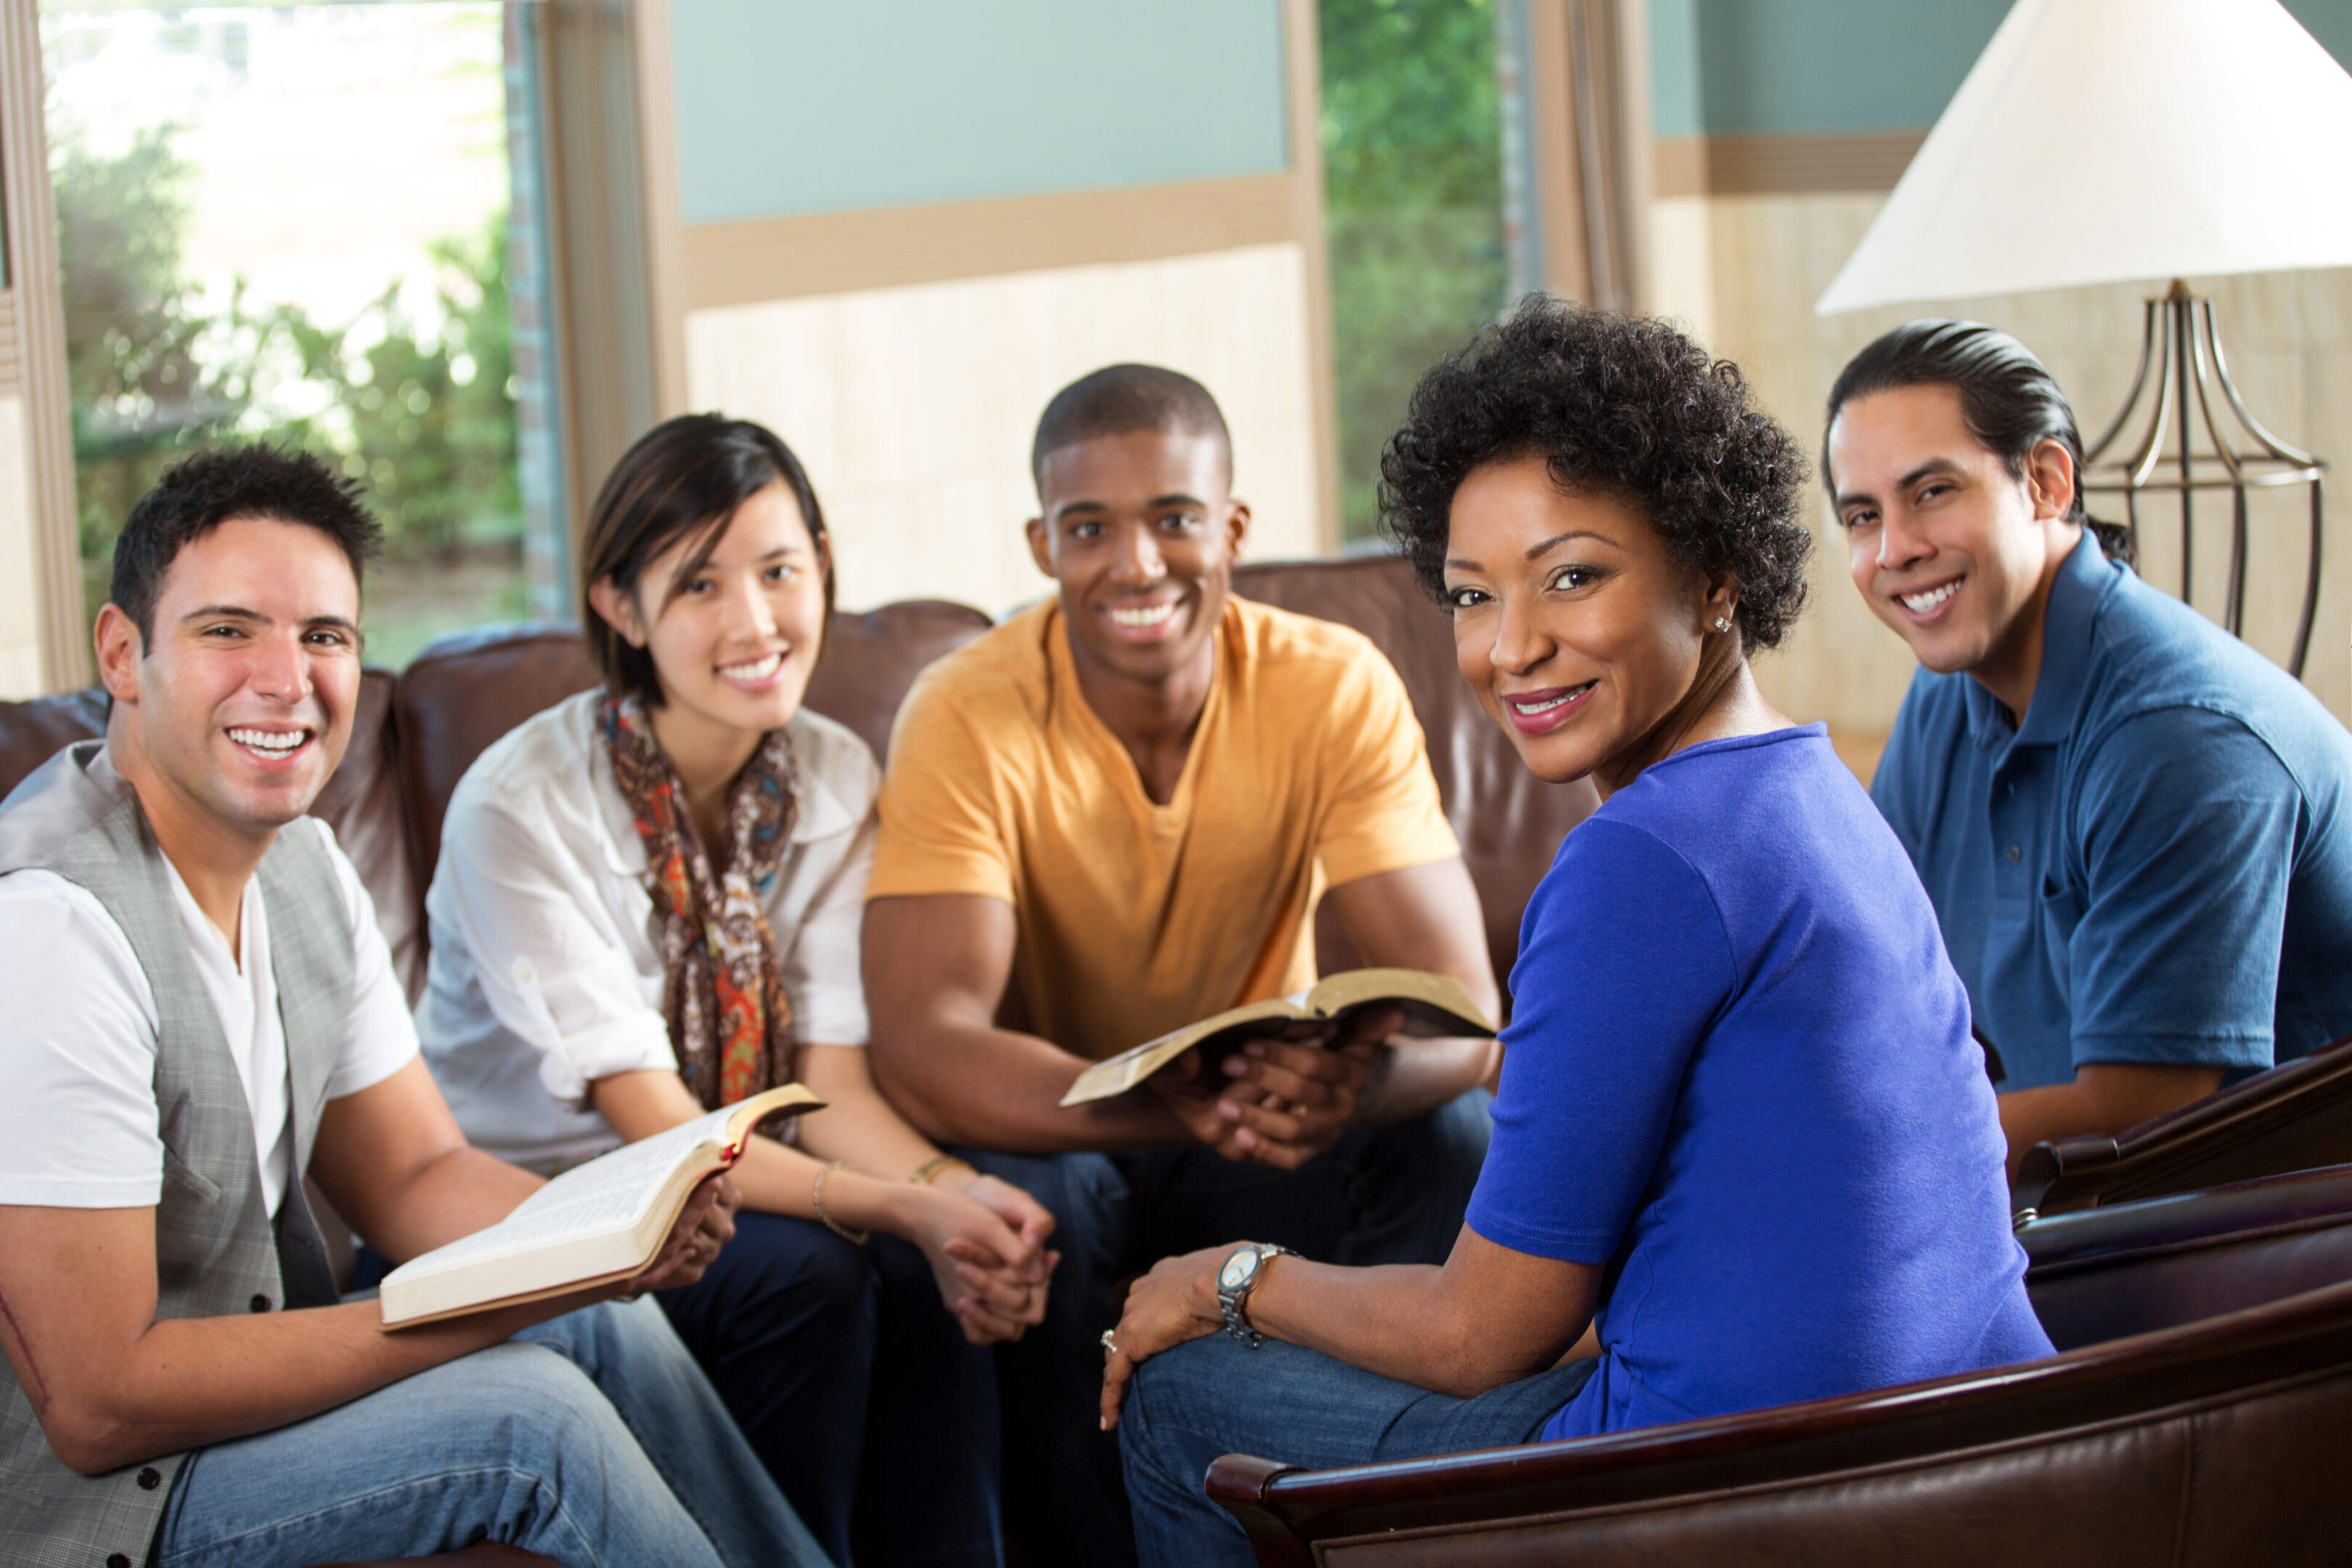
x: 199, y: 1010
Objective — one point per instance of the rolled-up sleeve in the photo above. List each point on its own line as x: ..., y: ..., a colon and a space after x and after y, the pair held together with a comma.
x: 552, y: 970
x: 823, y: 978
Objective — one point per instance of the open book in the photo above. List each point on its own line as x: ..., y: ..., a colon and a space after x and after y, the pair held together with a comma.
x: 596, y: 1223
x: 1432, y: 1004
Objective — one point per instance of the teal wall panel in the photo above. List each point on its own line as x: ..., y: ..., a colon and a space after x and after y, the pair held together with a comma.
x: 1677, y: 106
x: 1812, y: 66
x: 789, y: 107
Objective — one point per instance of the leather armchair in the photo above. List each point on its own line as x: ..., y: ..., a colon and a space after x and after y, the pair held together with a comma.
x: 2291, y: 1118
x: 2207, y: 1434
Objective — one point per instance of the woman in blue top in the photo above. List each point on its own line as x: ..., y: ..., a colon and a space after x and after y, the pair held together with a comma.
x: 1745, y: 1152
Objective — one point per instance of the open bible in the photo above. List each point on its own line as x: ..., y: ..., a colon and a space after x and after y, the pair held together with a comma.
x: 1432, y: 1004
x: 596, y: 1223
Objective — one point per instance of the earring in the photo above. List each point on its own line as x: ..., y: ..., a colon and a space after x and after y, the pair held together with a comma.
x: 1721, y: 624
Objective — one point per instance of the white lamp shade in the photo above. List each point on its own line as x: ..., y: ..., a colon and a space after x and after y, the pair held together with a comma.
x: 2115, y: 141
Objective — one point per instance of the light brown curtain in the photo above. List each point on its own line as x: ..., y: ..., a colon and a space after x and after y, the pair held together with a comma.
x: 1589, y: 134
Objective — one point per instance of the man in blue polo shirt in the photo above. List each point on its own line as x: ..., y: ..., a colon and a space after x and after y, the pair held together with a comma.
x: 2135, y: 830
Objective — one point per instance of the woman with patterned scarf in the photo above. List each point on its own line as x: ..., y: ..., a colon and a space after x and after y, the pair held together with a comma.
x: 647, y: 903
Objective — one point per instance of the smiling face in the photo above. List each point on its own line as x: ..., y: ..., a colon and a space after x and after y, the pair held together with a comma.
x: 1582, y: 634
x: 1141, y: 535
x: 733, y: 637
x: 240, y: 705
x: 1949, y: 548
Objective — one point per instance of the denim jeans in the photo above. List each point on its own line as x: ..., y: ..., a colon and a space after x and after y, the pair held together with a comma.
x: 1215, y: 1396
x: 855, y: 1387
x: 1388, y: 1194
x: 593, y: 1439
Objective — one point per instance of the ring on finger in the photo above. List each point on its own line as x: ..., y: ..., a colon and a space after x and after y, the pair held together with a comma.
x: 1110, y: 1343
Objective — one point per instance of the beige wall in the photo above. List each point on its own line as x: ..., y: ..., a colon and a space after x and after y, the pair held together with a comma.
x: 1743, y: 272
x: 20, y: 604
x: 913, y: 408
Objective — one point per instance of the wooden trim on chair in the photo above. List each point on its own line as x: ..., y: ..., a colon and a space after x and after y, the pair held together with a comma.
x: 2291, y: 1118
x: 2127, y: 1381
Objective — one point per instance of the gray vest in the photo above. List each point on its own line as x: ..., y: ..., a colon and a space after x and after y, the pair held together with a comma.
x: 215, y: 1249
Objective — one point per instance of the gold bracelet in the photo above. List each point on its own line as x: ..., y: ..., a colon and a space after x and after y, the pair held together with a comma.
x: 937, y: 1165
x: 846, y: 1232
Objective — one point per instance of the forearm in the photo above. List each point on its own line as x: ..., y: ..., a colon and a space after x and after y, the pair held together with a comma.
x: 2104, y: 1099
x: 459, y: 1191
x: 1400, y: 1321
x: 864, y: 1130
x: 1418, y: 1076
x: 994, y: 1088
x: 778, y: 1179
x: 190, y: 1382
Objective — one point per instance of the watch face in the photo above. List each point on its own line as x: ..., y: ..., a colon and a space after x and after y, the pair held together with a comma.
x: 1238, y: 1269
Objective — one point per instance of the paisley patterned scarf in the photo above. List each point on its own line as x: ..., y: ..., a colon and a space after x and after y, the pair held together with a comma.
x: 724, y: 992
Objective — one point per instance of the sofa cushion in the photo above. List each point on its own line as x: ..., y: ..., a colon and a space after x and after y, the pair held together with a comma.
x: 361, y: 802
x: 463, y: 693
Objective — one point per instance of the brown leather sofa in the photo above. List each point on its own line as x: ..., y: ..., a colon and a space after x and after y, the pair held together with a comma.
x: 2196, y: 1417
x: 418, y: 733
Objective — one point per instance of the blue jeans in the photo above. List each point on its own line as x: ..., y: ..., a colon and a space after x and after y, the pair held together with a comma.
x: 1215, y: 1396
x: 1388, y: 1194
x: 855, y: 1387
x: 593, y: 1439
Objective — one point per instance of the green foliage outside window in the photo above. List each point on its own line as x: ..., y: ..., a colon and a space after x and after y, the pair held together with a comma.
x: 1413, y: 190
x: 420, y: 410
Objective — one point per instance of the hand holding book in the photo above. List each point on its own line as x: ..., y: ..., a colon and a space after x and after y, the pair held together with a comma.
x: 1283, y: 1096
x: 616, y: 1219
x: 705, y: 1224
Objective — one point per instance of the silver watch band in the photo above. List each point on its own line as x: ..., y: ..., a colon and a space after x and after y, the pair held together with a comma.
x: 1235, y: 1303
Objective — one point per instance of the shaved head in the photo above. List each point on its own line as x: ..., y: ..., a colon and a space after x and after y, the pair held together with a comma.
x: 1121, y: 399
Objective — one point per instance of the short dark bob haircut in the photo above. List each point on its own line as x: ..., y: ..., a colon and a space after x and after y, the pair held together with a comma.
x: 1618, y: 405
x: 683, y: 479
x: 2008, y: 400
x: 212, y: 488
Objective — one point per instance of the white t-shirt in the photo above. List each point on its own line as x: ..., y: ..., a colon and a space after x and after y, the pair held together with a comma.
x: 546, y: 970
x: 77, y: 1120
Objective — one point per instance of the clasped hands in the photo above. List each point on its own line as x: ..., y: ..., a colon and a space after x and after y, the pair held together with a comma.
x: 983, y: 1238
x: 985, y: 1241
x: 1280, y: 1101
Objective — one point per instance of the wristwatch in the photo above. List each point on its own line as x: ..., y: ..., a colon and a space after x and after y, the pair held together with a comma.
x: 1237, y: 1277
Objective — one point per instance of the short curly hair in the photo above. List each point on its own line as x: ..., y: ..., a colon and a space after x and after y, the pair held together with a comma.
x: 1618, y: 404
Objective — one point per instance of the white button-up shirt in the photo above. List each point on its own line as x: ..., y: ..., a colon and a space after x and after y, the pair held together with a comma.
x: 546, y: 970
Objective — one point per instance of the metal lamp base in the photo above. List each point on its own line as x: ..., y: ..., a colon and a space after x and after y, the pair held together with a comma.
x: 2180, y: 369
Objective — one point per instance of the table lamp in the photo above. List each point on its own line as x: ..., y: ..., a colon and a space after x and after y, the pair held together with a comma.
x: 2122, y: 141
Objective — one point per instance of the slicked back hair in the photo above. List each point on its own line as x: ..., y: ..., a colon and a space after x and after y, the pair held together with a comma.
x: 1121, y: 399
x: 213, y: 487
x: 683, y: 479
x: 2008, y: 400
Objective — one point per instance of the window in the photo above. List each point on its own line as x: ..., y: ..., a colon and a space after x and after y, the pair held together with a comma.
x: 1413, y: 157
x: 294, y: 223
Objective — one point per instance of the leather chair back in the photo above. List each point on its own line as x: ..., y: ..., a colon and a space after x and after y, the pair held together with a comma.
x: 2207, y: 1435
x: 360, y: 803
x: 2107, y: 1273
x: 1510, y: 822
x: 463, y: 693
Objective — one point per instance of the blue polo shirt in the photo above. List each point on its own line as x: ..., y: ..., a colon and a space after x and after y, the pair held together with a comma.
x: 1738, y: 1079
x: 2157, y: 865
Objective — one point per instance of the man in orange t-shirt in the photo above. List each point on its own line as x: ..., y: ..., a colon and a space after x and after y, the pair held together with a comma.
x: 1112, y: 817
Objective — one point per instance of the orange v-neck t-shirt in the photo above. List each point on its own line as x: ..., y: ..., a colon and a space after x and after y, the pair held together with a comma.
x: 1309, y: 770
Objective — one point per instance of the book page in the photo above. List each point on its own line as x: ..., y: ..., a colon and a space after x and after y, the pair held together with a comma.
x: 611, y: 1192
